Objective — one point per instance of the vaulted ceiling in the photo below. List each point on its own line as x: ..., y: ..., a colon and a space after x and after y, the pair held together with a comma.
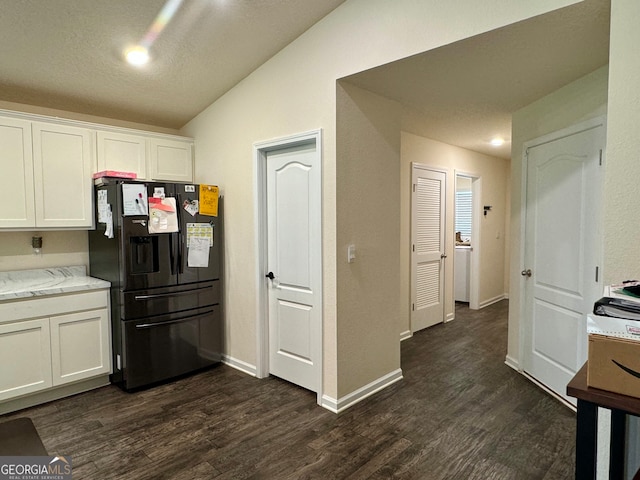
x: 68, y: 55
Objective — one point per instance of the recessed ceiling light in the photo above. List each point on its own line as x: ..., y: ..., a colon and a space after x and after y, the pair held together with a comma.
x: 496, y: 142
x: 137, y: 56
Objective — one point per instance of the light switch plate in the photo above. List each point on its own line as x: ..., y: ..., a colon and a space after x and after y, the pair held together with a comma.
x: 351, y: 253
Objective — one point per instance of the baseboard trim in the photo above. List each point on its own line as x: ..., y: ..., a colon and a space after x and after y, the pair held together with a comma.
x: 406, y: 335
x: 240, y: 365
x: 340, y: 405
x: 449, y: 317
x: 51, y: 394
x: 491, y: 301
x: 513, y: 363
x: 555, y: 395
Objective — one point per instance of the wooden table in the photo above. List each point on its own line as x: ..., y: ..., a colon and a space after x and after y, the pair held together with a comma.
x: 589, y: 399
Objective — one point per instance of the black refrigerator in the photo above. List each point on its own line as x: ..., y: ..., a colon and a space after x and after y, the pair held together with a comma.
x: 163, y: 259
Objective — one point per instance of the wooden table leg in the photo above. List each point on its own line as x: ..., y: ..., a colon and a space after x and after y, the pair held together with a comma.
x: 586, y: 440
x: 617, y: 444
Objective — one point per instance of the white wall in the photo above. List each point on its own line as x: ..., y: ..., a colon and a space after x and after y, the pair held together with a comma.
x: 493, y: 172
x: 59, y: 249
x: 295, y: 91
x: 623, y: 151
x: 621, y: 227
x: 368, y: 195
x: 581, y: 100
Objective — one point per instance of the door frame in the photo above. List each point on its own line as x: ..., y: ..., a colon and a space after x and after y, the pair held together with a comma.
x: 476, y: 224
x: 590, y: 124
x: 260, y: 151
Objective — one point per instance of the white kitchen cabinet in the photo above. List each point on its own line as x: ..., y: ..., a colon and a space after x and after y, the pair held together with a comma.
x: 171, y: 160
x: 17, y: 207
x: 25, y: 356
x: 122, y: 152
x: 48, y: 164
x: 46, y: 174
x: 80, y: 346
x: 151, y: 157
x: 63, y: 162
x: 48, y: 342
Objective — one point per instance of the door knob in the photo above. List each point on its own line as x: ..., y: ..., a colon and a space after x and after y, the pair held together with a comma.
x: 526, y: 273
x: 443, y: 255
x: 270, y: 276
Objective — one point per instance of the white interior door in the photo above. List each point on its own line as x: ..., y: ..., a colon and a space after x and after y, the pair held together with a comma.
x: 428, y: 247
x: 562, y: 251
x: 294, y: 260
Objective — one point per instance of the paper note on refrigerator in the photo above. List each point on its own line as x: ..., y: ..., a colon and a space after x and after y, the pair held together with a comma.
x: 103, y: 206
x: 162, y: 215
x: 198, y: 255
x: 201, y: 230
x: 108, y: 219
x: 134, y: 199
x: 209, y: 200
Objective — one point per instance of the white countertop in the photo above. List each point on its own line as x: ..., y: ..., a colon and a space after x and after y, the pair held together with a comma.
x: 49, y: 281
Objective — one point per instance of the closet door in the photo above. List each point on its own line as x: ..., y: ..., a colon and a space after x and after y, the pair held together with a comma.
x: 428, y: 247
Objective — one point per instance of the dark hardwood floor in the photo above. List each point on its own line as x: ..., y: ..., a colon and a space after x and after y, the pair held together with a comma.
x: 459, y: 413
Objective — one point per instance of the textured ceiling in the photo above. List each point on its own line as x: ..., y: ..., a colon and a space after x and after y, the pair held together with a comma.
x: 464, y: 93
x: 67, y: 54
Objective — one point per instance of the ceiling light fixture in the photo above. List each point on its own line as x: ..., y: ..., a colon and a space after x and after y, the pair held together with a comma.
x: 497, y: 142
x: 137, y: 56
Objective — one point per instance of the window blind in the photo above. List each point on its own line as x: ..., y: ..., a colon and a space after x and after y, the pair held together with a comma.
x: 463, y: 213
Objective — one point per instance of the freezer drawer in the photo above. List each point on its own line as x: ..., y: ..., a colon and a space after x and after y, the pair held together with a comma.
x: 170, y: 346
x: 158, y: 301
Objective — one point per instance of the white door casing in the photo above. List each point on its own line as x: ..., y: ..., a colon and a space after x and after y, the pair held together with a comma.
x: 289, y: 185
x: 562, y: 251
x: 427, y: 246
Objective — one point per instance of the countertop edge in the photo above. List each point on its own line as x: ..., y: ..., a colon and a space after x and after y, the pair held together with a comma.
x: 91, y: 284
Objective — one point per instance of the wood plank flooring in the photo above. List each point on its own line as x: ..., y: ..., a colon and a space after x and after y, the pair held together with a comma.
x: 459, y: 413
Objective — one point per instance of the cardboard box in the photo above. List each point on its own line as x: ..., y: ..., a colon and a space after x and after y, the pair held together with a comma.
x: 614, y: 364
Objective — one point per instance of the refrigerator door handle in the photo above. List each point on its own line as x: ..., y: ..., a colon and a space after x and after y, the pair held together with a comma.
x: 181, y: 234
x: 172, y: 253
x: 179, y: 320
x: 171, y: 294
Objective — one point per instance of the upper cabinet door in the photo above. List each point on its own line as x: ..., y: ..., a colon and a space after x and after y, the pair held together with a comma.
x: 122, y: 152
x: 17, y: 208
x: 171, y: 160
x: 64, y: 160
